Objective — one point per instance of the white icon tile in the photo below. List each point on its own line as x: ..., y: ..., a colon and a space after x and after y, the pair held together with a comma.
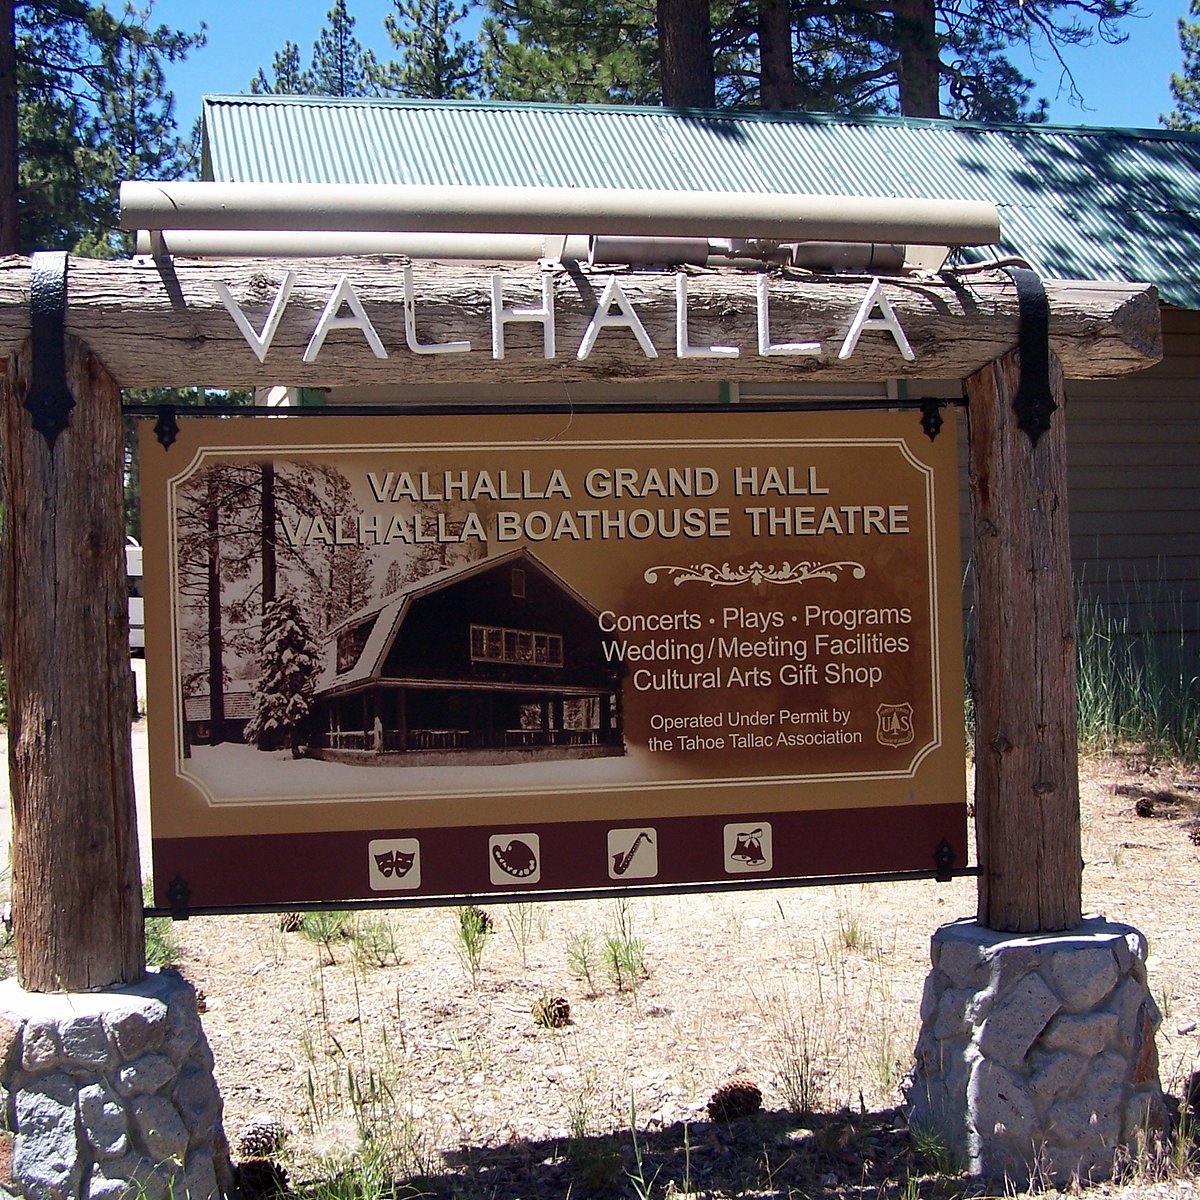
x: 632, y: 853
x: 748, y: 847
x: 515, y: 859
x: 395, y: 864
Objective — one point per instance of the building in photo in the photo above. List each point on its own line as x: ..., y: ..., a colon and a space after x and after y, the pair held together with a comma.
x: 492, y: 661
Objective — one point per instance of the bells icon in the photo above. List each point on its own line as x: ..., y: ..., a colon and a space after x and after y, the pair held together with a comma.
x: 748, y: 847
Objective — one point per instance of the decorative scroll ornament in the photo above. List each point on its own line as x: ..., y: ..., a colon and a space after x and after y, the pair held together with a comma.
x: 756, y: 573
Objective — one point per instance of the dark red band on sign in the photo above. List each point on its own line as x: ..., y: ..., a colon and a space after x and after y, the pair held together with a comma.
x: 407, y: 865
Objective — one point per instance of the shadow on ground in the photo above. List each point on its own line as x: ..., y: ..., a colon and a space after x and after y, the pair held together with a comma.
x: 849, y: 1156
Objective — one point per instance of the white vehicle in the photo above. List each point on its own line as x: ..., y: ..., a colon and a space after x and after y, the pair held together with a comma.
x: 137, y: 613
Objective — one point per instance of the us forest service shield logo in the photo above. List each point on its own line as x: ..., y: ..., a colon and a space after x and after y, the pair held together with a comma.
x: 895, y: 726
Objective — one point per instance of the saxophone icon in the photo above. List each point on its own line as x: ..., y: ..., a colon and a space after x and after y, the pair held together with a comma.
x: 632, y: 853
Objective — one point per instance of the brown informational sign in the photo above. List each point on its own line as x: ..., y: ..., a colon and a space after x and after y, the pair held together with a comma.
x: 435, y: 656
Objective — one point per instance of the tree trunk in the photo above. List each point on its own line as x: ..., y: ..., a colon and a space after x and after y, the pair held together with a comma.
x: 215, y: 640
x: 777, y: 71
x: 268, y: 534
x: 10, y: 227
x: 1026, y: 757
x: 919, y: 67
x: 956, y: 327
x: 685, y: 54
x: 76, y: 892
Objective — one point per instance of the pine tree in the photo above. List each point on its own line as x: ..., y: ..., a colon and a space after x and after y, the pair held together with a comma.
x: 574, y: 51
x: 917, y: 57
x: 340, y: 66
x: 1185, y: 85
x: 436, y: 62
x: 90, y: 109
x: 287, y: 77
x: 685, y: 57
x: 132, y: 134
x: 289, y: 666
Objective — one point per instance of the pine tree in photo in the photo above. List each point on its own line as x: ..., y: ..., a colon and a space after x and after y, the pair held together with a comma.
x: 290, y: 663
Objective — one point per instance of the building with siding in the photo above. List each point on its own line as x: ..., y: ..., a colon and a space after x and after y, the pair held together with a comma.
x: 1075, y: 203
x: 496, y: 660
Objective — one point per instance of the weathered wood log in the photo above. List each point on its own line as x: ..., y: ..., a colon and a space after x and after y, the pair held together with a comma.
x: 76, y: 893
x: 1026, y: 755
x: 155, y: 325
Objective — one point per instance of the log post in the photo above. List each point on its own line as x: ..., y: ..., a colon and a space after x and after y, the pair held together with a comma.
x: 76, y: 895
x: 1026, y: 756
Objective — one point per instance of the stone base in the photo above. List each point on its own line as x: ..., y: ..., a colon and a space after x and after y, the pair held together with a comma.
x: 1036, y: 1059
x: 110, y: 1094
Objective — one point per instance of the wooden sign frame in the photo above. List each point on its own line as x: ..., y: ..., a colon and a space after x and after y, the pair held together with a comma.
x: 748, y: 625
x: 76, y: 892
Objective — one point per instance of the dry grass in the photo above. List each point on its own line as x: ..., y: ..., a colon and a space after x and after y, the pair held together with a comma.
x: 402, y: 1057
x: 443, y: 1074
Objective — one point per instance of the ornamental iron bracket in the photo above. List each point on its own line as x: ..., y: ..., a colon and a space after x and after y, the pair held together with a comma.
x: 166, y: 428
x: 931, y: 418
x: 1034, y: 401
x: 943, y: 861
x: 49, y: 399
x: 178, y: 895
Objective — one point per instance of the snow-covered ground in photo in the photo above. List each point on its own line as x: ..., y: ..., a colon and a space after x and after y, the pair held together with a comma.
x: 232, y: 772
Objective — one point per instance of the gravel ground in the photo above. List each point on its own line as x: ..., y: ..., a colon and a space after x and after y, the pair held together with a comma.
x: 385, y: 1030
x: 810, y: 993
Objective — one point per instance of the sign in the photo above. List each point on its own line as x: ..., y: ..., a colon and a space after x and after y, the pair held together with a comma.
x: 611, y: 296
x: 442, y: 656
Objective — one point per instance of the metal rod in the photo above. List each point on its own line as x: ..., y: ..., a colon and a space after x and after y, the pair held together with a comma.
x: 883, y: 404
x: 314, y: 243
x: 674, y: 889
x: 421, y: 208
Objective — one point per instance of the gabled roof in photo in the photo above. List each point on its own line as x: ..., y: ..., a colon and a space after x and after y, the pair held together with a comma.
x: 1077, y: 203
x: 387, y: 615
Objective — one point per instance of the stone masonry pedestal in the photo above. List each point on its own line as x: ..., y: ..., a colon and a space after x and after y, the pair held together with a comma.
x: 110, y: 1094
x: 1036, y: 1058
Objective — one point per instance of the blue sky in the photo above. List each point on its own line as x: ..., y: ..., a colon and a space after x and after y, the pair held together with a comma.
x: 1126, y: 86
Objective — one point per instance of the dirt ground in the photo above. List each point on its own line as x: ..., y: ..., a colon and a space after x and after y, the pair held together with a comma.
x: 811, y: 993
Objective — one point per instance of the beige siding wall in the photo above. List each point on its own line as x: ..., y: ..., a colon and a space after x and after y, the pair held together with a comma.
x: 1134, y: 484
x: 1133, y: 480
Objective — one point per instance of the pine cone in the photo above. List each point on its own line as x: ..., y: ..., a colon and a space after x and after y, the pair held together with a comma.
x: 291, y: 922
x: 737, y: 1098
x: 262, y: 1137
x: 261, y: 1179
x: 1144, y: 806
x: 552, y: 1012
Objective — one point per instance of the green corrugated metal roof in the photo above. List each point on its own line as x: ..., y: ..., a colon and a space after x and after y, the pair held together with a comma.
x: 1077, y: 203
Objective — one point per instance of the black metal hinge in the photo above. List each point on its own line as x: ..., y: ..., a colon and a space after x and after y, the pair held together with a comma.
x: 178, y: 895
x: 931, y: 418
x: 49, y: 400
x: 943, y: 861
x: 1034, y: 402
x: 166, y: 428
